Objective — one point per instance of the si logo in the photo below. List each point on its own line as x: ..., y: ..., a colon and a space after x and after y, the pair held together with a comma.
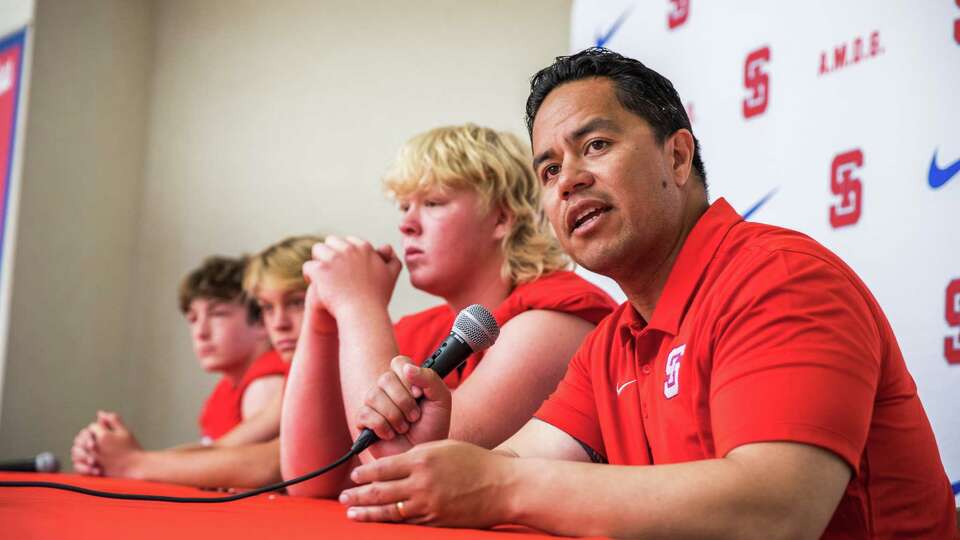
x: 848, y: 187
x: 678, y: 14
x: 671, y: 385
x: 757, y: 81
x: 956, y: 37
x: 951, y: 343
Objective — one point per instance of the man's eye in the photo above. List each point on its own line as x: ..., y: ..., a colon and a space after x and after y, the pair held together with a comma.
x: 550, y: 171
x: 598, y: 145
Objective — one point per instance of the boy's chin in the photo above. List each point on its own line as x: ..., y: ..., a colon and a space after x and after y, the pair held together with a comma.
x: 213, y: 365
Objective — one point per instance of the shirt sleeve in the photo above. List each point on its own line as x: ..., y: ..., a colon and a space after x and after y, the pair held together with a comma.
x: 562, y: 291
x: 572, y: 408
x: 797, y: 357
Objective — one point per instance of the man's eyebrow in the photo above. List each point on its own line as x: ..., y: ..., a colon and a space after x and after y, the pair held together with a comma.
x: 594, y: 124
x: 543, y: 156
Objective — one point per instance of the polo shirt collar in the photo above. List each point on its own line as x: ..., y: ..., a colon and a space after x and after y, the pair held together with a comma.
x: 698, y: 250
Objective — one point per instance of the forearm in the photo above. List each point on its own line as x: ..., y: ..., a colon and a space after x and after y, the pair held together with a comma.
x: 313, y: 430
x: 367, y: 346
x: 241, y: 466
x: 188, y: 447
x: 697, y: 500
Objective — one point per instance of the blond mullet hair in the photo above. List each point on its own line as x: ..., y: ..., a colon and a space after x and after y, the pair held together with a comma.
x: 280, y: 265
x: 496, y: 165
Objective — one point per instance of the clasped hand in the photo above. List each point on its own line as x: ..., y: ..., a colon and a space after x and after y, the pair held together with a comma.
x: 349, y: 272
x: 106, y: 447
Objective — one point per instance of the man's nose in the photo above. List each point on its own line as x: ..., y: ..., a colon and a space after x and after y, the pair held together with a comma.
x: 573, y: 178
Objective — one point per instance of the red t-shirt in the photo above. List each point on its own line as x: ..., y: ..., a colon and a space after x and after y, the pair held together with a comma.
x: 223, y: 411
x: 762, y: 334
x: 418, y: 335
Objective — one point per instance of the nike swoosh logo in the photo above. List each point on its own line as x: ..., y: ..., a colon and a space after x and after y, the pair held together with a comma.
x: 602, y: 40
x: 624, y: 385
x: 761, y: 202
x: 937, y: 176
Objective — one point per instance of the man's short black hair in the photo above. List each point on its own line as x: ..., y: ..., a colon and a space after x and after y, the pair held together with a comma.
x: 639, y: 89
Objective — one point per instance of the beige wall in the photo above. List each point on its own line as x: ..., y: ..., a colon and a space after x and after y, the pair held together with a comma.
x: 82, y: 177
x: 264, y: 120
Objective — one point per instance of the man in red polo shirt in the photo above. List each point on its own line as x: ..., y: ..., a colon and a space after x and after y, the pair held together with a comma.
x: 751, y: 387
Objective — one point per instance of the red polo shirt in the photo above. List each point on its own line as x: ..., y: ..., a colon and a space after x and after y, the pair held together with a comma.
x: 762, y: 334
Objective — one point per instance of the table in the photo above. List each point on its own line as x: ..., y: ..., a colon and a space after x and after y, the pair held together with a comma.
x: 40, y: 513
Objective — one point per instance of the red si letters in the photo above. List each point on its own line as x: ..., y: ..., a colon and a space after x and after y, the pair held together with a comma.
x: 678, y: 15
x: 951, y: 344
x: 846, y: 211
x: 757, y: 81
x: 956, y: 27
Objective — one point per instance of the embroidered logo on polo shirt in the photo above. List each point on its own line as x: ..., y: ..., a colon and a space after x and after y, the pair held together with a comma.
x: 671, y: 386
x: 623, y: 386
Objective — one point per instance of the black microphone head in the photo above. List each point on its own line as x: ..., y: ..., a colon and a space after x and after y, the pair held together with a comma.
x: 477, y: 327
x: 47, y: 462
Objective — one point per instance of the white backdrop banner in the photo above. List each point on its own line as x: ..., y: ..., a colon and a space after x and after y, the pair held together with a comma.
x: 837, y: 119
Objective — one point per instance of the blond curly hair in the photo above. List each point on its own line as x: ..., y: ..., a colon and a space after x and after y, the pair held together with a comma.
x: 496, y: 165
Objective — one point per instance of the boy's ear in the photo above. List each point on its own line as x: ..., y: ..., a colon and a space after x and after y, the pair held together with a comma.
x: 504, y: 225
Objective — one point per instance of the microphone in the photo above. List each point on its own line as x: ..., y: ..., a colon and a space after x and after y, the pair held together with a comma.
x: 474, y: 330
x: 44, y: 462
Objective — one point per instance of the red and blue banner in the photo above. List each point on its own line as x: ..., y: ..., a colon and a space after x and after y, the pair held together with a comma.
x: 11, y: 68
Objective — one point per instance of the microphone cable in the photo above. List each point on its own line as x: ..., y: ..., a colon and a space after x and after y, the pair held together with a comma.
x: 474, y: 330
x: 357, y: 447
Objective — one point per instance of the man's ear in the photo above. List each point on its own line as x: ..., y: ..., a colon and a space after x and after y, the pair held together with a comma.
x: 680, y: 148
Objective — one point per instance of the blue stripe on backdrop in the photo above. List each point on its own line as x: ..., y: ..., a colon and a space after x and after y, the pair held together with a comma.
x: 603, y: 39
x: 761, y: 202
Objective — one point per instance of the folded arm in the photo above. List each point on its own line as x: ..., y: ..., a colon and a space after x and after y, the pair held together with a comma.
x: 313, y: 430
x: 248, y: 466
x: 111, y: 449
x: 352, y: 281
